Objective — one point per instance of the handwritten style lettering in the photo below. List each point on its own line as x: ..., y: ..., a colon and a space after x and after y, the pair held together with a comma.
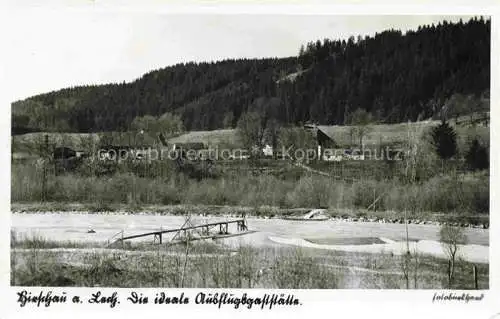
x: 97, y: 298
x: 25, y: 297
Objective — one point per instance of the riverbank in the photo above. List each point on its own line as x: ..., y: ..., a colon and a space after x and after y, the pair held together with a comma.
x: 62, y: 239
x: 348, y: 215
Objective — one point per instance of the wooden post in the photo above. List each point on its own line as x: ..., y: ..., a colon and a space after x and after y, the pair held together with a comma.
x: 449, y: 273
x: 374, y: 200
x: 44, y: 163
x: 474, y: 272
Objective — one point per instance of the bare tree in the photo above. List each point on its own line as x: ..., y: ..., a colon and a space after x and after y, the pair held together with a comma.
x: 410, y: 266
x: 416, y: 267
x: 44, y: 150
x: 361, y: 120
x: 406, y: 267
x: 410, y: 172
x: 451, y: 237
x: 294, y: 138
x: 251, y: 130
x: 228, y: 120
x: 455, y: 107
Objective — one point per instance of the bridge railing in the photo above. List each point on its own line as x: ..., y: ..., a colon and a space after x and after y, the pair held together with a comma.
x: 117, y: 236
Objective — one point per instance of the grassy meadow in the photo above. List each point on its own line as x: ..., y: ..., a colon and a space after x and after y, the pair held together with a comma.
x: 35, y: 262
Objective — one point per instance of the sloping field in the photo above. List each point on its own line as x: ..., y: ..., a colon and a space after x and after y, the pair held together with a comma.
x: 215, y: 137
x: 378, y: 134
x: 397, y: 134
x: 25, y: 142
x: 385, y: 134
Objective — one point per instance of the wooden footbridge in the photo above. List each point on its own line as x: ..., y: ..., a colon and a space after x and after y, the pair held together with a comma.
x: 189, y: 232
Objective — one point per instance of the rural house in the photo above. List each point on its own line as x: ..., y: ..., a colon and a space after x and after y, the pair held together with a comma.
x: 334, y: 142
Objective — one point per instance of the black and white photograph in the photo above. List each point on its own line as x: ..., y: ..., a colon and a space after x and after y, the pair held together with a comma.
x: 253, y: 151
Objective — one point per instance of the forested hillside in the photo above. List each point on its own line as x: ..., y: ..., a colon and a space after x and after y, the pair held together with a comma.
x: 394, y: 76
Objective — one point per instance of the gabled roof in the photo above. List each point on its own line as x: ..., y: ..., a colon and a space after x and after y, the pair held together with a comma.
x: 340, y: 135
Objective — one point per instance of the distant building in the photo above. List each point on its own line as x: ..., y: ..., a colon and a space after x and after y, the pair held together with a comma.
x: 325, y: 138
x: 115, y: 152
x: 267, y: 150
x: 310, y: 126
x: 63, y: 153
x: 330, y: 141
x: 66, y: 159
x: 338, y: 155
x: 81, y: 154
x: 330, y: 137
x: 189, y: 146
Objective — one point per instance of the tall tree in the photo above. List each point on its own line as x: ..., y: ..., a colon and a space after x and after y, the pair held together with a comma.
x: 272, y: 133
x: 169, y: 124
x: 444, y: 140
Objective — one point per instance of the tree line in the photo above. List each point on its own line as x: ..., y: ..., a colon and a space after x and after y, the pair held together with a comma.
x: 393, y: 76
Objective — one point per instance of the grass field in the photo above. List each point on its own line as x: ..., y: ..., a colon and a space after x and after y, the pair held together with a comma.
x: 216, y: 137
x: 397, y: 134
x: 25, y: 143
x: 211, y: 266
x: 28, y: 144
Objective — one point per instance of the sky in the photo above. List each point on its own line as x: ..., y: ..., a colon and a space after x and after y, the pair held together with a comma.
x: 54, y: 50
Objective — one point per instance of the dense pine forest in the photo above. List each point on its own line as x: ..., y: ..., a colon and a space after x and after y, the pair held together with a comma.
x: 395, y: 76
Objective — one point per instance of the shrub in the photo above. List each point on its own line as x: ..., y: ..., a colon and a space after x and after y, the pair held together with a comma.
x: 448, y: 193
x: 299, y: 271
x: 477, y: 156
